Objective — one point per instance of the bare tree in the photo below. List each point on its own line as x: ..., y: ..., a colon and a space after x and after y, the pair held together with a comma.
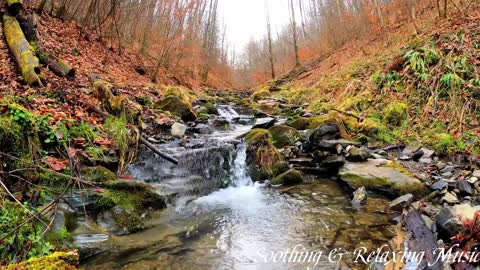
x: 294, y: 33
x: 270, y: 46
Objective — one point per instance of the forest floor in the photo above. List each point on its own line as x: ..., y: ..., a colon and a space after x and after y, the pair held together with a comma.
x: 431, y: 79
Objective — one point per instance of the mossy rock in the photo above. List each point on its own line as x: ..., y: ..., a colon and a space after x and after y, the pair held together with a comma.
x: 178, y: 107
x: 300, y: 123
x: 99, y: 174
x: 388, y: 180
x: 259, y: 95
x: 262, y: 156
x: 284, y: 135
x: 291, y: 177
x: 395, y: 113
x: 54, y: 261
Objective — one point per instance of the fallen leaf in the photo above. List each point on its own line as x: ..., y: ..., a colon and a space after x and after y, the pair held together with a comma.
x: 56, y: 164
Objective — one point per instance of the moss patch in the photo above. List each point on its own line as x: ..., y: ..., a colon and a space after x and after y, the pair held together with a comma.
x: 284, y: 135
x: 98, y: 174
x: 55, y: 261
x: 259, y: 95
x: 178, y: 107
x: 291, y: 177
x: 395, y: 113
x: 262, y: 156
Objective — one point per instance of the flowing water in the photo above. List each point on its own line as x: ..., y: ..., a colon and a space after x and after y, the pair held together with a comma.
x: 220, y: 219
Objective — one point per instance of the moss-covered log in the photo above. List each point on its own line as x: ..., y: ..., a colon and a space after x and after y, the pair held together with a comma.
x: 22, y: 51
x: 57, y: 66
x: 14, y: 6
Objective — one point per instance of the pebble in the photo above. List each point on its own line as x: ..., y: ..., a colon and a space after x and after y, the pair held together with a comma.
x: 476, y: 174
x: 464, y: 187
x: 450, y: 198
x: 439, y: 185
x: 441, y: 165
x: 473, y: 180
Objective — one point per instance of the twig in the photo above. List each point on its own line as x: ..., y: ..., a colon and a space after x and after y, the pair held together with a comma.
x: 359, y: 118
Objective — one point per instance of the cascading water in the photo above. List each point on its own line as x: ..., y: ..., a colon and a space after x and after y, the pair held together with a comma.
x: 220, y: 219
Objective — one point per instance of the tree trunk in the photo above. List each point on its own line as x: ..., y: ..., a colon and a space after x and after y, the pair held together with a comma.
x: 270, y: 46
x: 28, y: 64
x: 445, y: 6
x: 41, y: 6
x: 14, y: 6
x: 295, y: 38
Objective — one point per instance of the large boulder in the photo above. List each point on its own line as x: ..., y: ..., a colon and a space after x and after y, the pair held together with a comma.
x: 178, y: 107
x: 284, y: 136
x: 265, y: 123
x: 263, y: 158
x: 391, y: 180
x: 323, y: 133
x: 301, y: 123
x: 291, y: 177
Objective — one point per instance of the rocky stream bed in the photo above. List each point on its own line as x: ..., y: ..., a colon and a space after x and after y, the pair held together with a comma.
x: 249, y: 185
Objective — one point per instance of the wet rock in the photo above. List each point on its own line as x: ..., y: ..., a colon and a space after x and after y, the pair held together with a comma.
x: 427, y: 153
x: 178, y: 107
x: 331, y: 145
x: 358, y: 154
x: 476, y: 174
x: 439, y: 185
x: 409, y: 151
x: 221, y: 123
x: 201, y: 129
x: 401, y: 202
x: 301, y: 123
x: 98, y: 174
x: 333, y: 162
x: 303, y: 162
x: 178, y: 130
x: 447, y: 224
x: 284, y: 136
x: 264, y: 123
x: 450, y: 198
x: 359, y: 196
x: 464, y: 188
x: 201, y: 109
x: 389, y: 180
x: 291, y: 177
x: 447, y: 169
x: 323, y: 133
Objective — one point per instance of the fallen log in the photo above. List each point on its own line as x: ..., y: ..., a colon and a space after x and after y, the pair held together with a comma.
x: 27, y: 62
x: 59, y: 67
x: 14, y: 6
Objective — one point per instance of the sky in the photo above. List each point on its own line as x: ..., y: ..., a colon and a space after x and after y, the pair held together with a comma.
x: 245, y: 19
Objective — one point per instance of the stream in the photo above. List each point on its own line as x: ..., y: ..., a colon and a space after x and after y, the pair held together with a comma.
x: 218, y: 218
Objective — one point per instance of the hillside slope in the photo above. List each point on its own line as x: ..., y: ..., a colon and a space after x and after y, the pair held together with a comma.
x: 405, y: 88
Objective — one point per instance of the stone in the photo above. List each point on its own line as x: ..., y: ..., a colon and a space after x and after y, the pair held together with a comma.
x: 323, y: 133
x: 331, y: 145
x: 464, y: 211
x: 201, y: 109
x: 450, y: 198
x: 447, y: 169
x: 447, y: 224
x: 427, y: 153
x: 359, y: 196
x: 202, y: 129
x: 291, y: 177
x: 98, y: 174
x: 401, y: 202
x: 441, y: 165
x: 178, y: 130
x: 333, y: 162
x: 262, y: 155
x: 476, y: 173
x: 264, y: 123
x: 178, y: 107
x: 358, y: 154
x: 284, y: 135
x: 439, y: 185
x: 464, y: 187
x: 473, y: 180
x: 390, y: 180
x: 221, y: 123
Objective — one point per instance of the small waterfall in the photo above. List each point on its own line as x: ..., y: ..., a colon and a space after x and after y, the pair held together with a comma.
x: 227, y: 112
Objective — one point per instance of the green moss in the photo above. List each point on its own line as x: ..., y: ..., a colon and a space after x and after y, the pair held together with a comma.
x: 98, y: 174
x: 55, y: 261
x: 395, y: 113
x: 262, y: 155
x: 258, y: 136
x: 284, y: 135
x: 178, y: 107
x: 357, y: 181
x: 300, y: 123
x: 443, y: 142
x: 262, y: 94
x: 291, y: 177
x: 82, y: 130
